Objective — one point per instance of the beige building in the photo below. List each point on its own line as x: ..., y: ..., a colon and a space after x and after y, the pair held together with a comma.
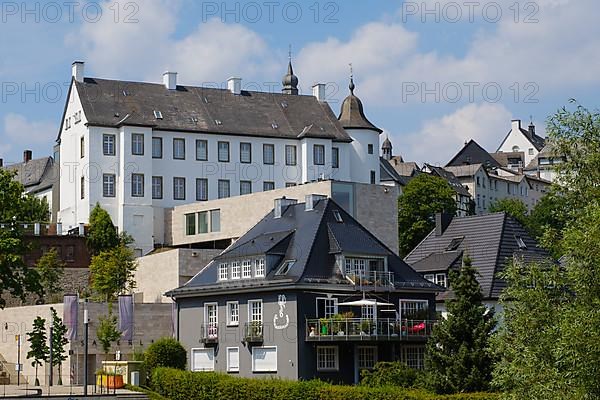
x: 216, y: 223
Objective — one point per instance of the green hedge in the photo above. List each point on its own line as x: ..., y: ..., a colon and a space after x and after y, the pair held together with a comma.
x: 184, y: 385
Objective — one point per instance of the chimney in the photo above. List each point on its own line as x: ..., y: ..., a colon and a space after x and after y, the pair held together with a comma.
x: 442, y: 220
x: 318, y: 91
x: 27, y: 156
x: 516, y: 124
x: 281, y: 204
x: 531, y: 129
x: 170, y: 80
x: 81, y: 230
x: 311, y: 199
x: 234, y: 85
x: 77, y: 69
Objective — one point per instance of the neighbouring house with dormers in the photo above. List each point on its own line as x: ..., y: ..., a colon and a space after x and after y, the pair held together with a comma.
x: 140, y: 148
x: 306, y: 293
x: 491, y: 241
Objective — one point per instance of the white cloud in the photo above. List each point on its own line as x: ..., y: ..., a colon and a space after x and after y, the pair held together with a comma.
x: 439, y: 139
x: 19, y: 133
x: 144, y: 50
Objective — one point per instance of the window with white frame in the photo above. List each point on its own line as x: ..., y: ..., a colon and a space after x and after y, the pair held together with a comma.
x: 327, y: 358
x: 211, y: 318
x: 440, y: 280
x: 108, y: 145
x: 201, y: 150
x: 255, y: 311
x: 430, y: 277
x: 233, y: 359
x: 223, y: 271
x: 215, y: 220
x: 178, y: 188
x: 367, y: 357
x: 235, y: 270
x: 246, y: 269
x: 203, y: 359
x: 179, y: 149
x: 233, y: 313
x: 137, y: 144
x: 356, y: 266
x: 319, y: 154
x: 259, y: 269
x: 137, y: 185
x: 157, y: 187
x: 326, y: 307
x: 368, y: 311
x: 108, y: 185
x: 264, y: 359
x: 414, y: 309
x: 413, y: 356
x: 245, y: 153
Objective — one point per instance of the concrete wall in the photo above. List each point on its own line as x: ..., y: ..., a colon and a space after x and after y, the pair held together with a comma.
x: 152, y: 321
x: 160, y: 272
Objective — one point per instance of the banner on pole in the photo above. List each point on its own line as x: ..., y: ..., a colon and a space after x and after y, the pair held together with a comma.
x: 126, y: 317
x: 71, y: 312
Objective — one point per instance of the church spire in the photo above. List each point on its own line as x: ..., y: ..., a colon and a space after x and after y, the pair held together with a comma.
x: 290, y: 81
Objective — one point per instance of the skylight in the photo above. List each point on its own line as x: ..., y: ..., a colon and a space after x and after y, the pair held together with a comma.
x: 218, y: 122
x: 455, y: 243
x: 337, y: 216
x: 285, y: 267
x: 158, y: 114
x: 520, y: 243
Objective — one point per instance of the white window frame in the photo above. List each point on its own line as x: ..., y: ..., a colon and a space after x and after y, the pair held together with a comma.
x: 327, y: 299
x: 259, y: 268
x: 223, y: 267
x: 400, y: 301
x: 374, y: 349
x: 236, y: 270
x: 108, y: 148
x: 229, y: 367
x: 336, y: 359
x: 247, y: 269
x: 441, y: 279
x: 109, y: 182
x: 265, y: 370
x: 206, y: 316
x: 175, y: 185
x: 206, y: 350
x: 137, y: 147
x: 420, y: 360
x: 291, y: 155
x: 430, y: 277
x: 137, y: 186
x: 230, y: 321
x: 251, y: 314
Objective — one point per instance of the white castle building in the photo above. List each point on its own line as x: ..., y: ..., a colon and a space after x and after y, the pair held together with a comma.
x: 140, y: 148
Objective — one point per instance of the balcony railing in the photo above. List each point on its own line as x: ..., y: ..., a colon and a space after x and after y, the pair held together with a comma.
x: 209, y: 333
x: 360, y: 329
x: 372, y: 279
x: 253, y: 332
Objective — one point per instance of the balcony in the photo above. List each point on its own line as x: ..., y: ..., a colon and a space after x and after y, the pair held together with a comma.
x: 253, y: 332
x: 360, y: 329
x: 209, y: 333
x: 371, y: 280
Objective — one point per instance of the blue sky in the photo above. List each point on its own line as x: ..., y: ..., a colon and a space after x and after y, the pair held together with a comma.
x: 431, y: 73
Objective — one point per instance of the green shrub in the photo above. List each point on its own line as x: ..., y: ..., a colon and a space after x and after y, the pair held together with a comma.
x: 183, y: 385
x: 165, y: 352
x: 390, y: 373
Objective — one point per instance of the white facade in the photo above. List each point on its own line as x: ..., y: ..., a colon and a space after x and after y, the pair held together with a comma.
x: 83, y: 175
x: 517, y: 141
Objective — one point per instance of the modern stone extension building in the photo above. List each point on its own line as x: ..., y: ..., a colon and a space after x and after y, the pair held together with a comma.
x: 306, y: 293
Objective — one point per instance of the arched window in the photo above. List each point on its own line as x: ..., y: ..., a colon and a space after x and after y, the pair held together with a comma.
x: 515, y: 148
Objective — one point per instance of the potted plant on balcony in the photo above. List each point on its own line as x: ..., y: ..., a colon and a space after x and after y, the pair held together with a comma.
x: 365, y: 327
x: 326, y: 328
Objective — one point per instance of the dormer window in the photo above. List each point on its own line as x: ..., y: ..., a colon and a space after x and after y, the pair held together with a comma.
x: 455, y: 243
x: 223, y: 272
x: 285, y: 267
x: 520, y: 243
x: 337, y: 216
x: 259, y: 268
x: 158, y: 114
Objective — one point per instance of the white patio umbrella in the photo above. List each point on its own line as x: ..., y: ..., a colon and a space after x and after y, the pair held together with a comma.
x: 364, y: 302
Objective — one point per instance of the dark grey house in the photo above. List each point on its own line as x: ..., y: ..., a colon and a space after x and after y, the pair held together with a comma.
x: 491, y: 241
x: 306, y: 293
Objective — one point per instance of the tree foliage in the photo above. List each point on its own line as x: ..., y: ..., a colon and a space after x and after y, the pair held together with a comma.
x: 38, y: 348
x: 390, y: 374
x: 165, y: 352
x: 59, y: 341
x: 423, y: 197
x: 112, y: 272
x: 15, y: 278
x: 549, y: 345
x: 107, y: 331
x: 458, y: 357
x: 51, y: 270
x: 102, y: 234
x: 513, y: 207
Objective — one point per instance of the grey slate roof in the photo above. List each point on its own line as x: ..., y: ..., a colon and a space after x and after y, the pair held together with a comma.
x: 36, y: 175
x: 387, y: 173
x: 115, y: 103
x: 490, y: 242
x: 312, y: 238
x: 473, y: 153
x: 537, y: 141
x: 452, y: 180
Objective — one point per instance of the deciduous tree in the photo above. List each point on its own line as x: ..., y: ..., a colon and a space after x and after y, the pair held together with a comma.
x: 38, y: 348
x: 50, y: 269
